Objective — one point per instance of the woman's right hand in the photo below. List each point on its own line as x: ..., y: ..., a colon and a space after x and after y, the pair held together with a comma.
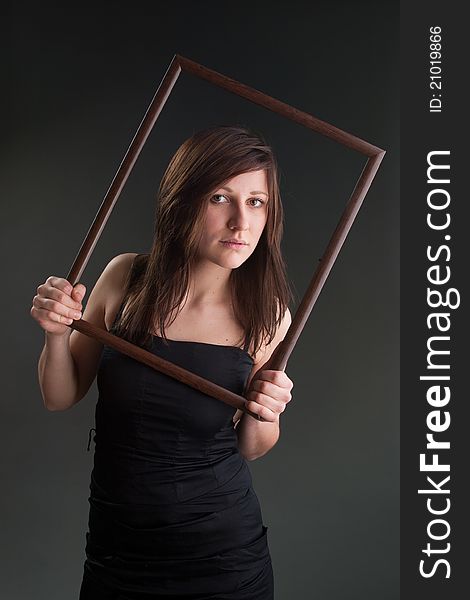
x: 57, y: 304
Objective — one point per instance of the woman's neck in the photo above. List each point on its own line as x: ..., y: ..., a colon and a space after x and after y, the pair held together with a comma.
x: 209, y: 285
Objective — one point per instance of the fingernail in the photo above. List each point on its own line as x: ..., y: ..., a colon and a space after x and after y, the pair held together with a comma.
x: 77, y: 315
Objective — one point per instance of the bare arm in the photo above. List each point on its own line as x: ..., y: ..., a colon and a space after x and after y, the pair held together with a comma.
x: 256, y: 438
x: 57, y: 372
x: 68, y: 363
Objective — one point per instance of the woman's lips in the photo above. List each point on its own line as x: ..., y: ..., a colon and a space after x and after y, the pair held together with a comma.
x: 233, y: 245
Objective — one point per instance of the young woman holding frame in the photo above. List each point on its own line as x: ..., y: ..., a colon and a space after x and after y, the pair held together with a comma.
x: 173, y: 513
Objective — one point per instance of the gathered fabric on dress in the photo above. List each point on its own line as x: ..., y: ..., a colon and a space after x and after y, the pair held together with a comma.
x: 173, y: 512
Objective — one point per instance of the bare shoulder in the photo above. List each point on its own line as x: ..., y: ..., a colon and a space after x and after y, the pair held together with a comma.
x: 100, y: 310
x: 108, y: 291
x: 112, y: 290
x: 265, y: 352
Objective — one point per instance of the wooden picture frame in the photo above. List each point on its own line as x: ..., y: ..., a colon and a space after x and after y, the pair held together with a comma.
x: 282, y: 352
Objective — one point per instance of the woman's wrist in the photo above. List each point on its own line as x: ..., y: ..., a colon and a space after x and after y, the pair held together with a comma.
x: 57, y: 338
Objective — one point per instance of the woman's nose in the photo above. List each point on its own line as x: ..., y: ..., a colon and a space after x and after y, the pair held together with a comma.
x: 238, y: 219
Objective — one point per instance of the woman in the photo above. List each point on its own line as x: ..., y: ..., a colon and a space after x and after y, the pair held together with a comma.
x: 172, y: 509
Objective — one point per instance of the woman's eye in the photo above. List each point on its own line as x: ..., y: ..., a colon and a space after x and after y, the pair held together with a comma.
x: 216, y: 196
x: 255, y: 202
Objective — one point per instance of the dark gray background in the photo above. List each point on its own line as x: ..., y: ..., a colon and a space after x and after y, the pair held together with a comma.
x: 79, y: 83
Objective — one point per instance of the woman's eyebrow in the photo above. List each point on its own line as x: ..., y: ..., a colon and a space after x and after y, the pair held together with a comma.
x: 227, y: 189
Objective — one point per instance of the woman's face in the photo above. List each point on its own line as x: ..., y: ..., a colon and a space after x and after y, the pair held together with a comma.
x: 235, y: 211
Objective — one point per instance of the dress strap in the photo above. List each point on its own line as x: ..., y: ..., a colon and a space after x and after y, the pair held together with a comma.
x: 89, y: 438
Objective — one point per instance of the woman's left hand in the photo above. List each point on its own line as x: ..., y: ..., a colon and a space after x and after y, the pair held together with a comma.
x: 269, y: 393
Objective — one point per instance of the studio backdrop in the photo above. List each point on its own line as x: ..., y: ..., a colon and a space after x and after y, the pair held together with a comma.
x: 329, y: 487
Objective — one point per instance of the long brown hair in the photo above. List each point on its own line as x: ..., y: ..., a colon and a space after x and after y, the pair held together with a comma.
x: 158, y: 282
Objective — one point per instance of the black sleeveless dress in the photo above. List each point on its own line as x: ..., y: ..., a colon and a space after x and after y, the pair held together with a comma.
x: 173, y: 513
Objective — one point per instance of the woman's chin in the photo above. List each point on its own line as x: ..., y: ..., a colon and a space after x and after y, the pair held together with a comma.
x: 225, y: 262
x: 231, y: 264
